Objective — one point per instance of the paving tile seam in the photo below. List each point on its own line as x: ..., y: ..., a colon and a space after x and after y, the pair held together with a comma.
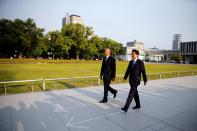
x: 59, y: 118
x: 87, y: 105
x: 176, y: 117
x: 182, y: 119
x: 149, y: 126
x: 77, y: 107
x: 173, y: 126
x: 11, y: 125
x: 117, y: 124
x: 55, y: 128
x: 149, y: 116
x: 161, y: 121
x: 96, y: 118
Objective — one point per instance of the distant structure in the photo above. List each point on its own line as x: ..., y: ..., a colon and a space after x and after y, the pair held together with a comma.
x: 154, y: 55
x: 72, y: 19
x: 176, y: 41
x: 135, y: 45
x: 189, y: 51
x: 146, y: 54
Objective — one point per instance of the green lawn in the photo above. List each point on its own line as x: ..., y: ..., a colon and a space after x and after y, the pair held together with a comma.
x: 11, y: 72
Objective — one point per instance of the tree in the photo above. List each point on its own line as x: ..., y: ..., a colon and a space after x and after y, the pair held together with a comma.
x: 108, y: 43
x: 176, y: 57
x: 7, y: 40
x: 23, y: 38
x: 122, y: 50
x: 179, y: 58
x: 19, y: 36
x: 92, y: 47
x: 58, y: 44
x: 40, y: 47
x: 79, y: 34
x: 38, y: 43
x: 23, y: 31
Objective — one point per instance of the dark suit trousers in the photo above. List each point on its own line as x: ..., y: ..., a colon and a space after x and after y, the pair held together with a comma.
x: 133, y: 93
x: 107, y: 88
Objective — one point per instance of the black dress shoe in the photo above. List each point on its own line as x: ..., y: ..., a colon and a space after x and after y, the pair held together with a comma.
x: 136, y: 107
x: 115, y: 93
x: 103, y: 101
x: 124, y: 109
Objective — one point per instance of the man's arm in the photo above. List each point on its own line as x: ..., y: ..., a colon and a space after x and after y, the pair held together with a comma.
x: 102, y: 69
x: 143, y: 73
x: 128, y: 71
x: 113, y: 68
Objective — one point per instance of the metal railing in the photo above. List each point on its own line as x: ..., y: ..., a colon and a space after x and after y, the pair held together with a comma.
x: 161, y: 76
x: 6, y: 82
x: 74, y: 80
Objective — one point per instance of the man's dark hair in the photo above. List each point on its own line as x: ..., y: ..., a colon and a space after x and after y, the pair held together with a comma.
x: 136, y: 51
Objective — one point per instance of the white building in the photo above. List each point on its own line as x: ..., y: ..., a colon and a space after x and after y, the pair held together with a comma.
x: 72, y: 19
x: 149, y: 55
x: 138, y: 46
x: 154, y: 55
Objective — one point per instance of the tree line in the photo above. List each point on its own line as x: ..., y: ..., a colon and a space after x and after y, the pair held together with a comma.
x: 22, y: 38
x: 176, y: 57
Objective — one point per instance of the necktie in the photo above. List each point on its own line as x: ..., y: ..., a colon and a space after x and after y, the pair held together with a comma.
x: 133, y: 64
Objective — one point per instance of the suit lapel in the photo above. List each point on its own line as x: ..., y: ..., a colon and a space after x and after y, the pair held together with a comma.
x: 104, y: 59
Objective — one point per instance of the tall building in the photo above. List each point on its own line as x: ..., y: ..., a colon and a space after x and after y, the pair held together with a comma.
x: 176, y: 41
x: 72, y: 19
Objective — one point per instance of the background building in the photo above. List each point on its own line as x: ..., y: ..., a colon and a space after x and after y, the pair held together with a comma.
x: 154, y: 55
x: 188, y: 51
x: 176, y: 41
x: 149, y: 55
x: 188, y: 47
x: 135, y: 45
x: 72, y: 19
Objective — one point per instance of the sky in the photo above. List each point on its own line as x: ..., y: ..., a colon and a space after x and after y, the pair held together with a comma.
x: 152, y: 22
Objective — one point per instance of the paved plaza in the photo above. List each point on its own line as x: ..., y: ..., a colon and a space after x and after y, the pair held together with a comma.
x: 167, y: 105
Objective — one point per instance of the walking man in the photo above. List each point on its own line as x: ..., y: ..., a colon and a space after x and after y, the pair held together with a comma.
x: 108, y: 73
x: 134, y: 71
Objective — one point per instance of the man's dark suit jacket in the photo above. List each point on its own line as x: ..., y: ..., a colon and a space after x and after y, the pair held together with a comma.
x: 135, y: 73
x: 108, y: 69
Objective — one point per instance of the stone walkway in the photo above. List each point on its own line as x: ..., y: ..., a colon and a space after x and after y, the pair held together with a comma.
x: 167, y: 105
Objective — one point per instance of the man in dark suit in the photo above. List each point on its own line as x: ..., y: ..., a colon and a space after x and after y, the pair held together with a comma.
x: 134, y: 71
x: 108, y: 72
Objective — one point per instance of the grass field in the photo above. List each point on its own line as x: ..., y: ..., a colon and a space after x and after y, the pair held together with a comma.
x: 11, y: 72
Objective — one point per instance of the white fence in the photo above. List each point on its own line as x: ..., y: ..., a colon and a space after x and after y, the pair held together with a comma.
x: 6, y: 82
x: 161, y: 75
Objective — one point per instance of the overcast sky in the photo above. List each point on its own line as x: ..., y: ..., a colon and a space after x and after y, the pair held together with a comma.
x: 152, y: 22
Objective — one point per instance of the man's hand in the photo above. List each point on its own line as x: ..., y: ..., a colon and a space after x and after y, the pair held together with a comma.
x: 101, y: 77
x: 124, y: 79
x: 113, y: 79
x: 145, y: 83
